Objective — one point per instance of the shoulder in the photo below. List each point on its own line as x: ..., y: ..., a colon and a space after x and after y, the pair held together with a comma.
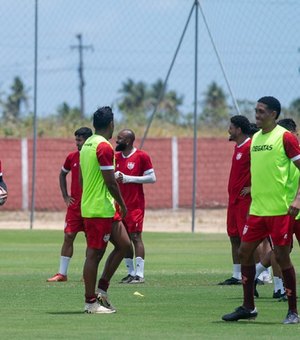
x: 142, y: 153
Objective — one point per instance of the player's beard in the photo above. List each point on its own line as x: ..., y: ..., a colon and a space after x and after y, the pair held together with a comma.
x: 121, y: 147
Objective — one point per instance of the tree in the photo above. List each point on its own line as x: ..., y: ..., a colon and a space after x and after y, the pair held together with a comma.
x: 139, y: 100
x: 215, y: 112
x: 133, y: 100
x: 65, y: 112
x: 15, y: 101
x: 294, y: 109
x: 168, y: 110
x: 247, y: 108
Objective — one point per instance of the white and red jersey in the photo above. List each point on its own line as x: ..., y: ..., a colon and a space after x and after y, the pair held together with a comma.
x: 138, y: 163
x: 72, y: 164
x: 240, y: 171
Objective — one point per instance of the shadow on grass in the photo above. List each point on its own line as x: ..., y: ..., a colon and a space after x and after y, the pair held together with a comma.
x: 66, y: 313
x: 246, y: 322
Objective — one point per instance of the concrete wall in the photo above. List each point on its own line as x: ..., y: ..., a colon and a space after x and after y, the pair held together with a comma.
x: 173, y: 188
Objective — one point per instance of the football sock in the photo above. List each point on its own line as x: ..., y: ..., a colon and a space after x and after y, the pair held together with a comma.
x: 237, y: 271
x: 259, y: 269
x: 64, y: 264
x: 139, y: 266
x: 90, y: 299
x: 248, y: 275
x: 130, y: 266
x: 278, y: 284
x: 289, y: 279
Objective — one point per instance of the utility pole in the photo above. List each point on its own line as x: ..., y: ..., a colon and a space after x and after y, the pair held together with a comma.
x: 80, y: 48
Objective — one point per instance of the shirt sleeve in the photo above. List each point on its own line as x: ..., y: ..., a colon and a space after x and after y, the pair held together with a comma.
x: 105, y: 156
x: 291, y: 146
x: 67, y: 164
x: 146, y: 164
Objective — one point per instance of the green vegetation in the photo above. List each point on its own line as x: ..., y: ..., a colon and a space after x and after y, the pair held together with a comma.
x: 135, y: 105
x: 181, y: 299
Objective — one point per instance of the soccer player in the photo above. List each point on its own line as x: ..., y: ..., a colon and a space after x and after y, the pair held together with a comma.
x: 134, y: 168
x: 99, y: 193
x: 238, y: 190
x: 73, y: 219
x: 273, y: 149
x: 3, y: 196
x: 269, y: 258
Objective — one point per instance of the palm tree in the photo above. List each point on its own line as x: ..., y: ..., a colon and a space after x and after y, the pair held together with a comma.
x: 215, y: 112
x: 12, y: 106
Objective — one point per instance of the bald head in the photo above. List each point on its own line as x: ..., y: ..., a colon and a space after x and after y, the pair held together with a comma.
x: 125, y: 140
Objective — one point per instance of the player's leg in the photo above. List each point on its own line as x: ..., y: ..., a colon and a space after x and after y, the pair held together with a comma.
x: 281, y: 233
x: 120, y: 239
x: 73, y: 224
x: 279, y: 290
x: 236, y: 218
x: 254, y: 231
x: 282, y: 254
x: 139, y: 250
x: 98, y: 231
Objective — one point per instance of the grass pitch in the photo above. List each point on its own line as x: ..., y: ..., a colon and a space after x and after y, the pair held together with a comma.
x: 181, y: 298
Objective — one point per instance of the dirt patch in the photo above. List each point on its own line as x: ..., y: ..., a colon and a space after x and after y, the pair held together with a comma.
x: 206, y: 220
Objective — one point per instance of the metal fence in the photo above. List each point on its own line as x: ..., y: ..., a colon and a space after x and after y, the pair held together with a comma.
x: 100, y: 44
x: 82, y: 52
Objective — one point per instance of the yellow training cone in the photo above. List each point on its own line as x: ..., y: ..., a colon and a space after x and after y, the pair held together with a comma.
x: 138, y: 294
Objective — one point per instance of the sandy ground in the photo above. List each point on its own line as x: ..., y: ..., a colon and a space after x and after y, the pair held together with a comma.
x: 206, y: 220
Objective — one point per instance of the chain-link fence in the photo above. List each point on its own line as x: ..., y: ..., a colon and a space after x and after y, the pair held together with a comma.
x: 257, y: 42
x: 91, y: 52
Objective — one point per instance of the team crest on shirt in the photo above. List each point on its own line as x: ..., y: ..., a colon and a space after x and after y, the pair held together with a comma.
x: 130, y: 165
x: 238, y: 156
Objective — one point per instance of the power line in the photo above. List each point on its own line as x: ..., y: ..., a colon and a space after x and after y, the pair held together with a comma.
x: 80, y: 48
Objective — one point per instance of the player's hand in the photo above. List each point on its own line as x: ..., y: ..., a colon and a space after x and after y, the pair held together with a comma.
x: 294, y: 208
x: 69, y: 200
x: 245, y: 191
x: 119, y: 176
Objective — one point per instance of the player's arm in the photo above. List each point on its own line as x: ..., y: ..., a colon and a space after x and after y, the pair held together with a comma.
x: 294, y: 208
x: 105, y: 156
x: 292, y: 149
x: 3, y: 195
x: 147, y: 177
x: 63, y: 186
x: 113, y: 188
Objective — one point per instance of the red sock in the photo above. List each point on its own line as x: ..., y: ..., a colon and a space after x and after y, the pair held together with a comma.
x: 248, y: 276
x: 289, y: 278
x: 90, y: 299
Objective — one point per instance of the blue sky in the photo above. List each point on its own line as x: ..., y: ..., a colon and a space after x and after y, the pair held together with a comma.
x: 258, y: 42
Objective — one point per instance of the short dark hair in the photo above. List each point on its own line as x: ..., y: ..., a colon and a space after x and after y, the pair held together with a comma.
x: 253, y: 129
x: 288, y: 123
x: 241, y: 122
x: 103, y: 117
x: 84, y: 132
x: 272, y: 104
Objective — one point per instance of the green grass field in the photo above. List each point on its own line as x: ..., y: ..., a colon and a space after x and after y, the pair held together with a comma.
x: 181, y: 297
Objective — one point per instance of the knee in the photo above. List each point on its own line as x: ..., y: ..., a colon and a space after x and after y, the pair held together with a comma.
x: 69, y: 238
x: 242, y: 254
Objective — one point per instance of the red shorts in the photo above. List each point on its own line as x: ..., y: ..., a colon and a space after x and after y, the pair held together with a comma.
x: 237, y: 214
x: 278, y: 227
x: 98, y: 232
x: 73, y: 221
x: 133, y: 220
x: 296, y: 229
